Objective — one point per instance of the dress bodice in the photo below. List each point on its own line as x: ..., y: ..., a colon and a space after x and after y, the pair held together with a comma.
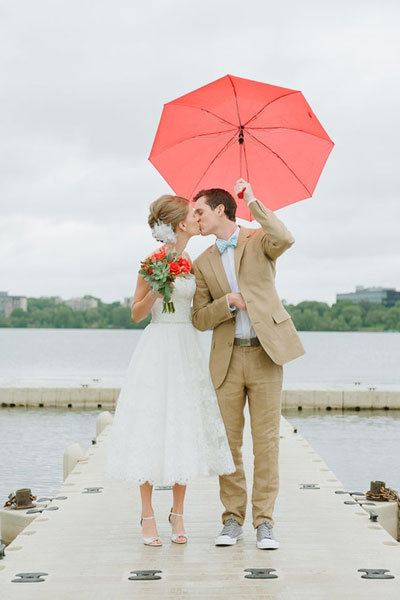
x: 184, y: 289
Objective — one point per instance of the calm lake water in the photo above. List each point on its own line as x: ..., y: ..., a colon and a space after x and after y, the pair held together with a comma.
x: 32, y: 444
x: 358, y: 447
x: 76, y: 356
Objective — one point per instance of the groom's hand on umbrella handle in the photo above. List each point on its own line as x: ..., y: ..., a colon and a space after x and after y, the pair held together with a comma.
x: 243, y: 190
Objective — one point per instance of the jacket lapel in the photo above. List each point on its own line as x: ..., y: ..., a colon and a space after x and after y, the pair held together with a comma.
x: 218, y: 268
x: 243, y: 235
x: 216, y: 261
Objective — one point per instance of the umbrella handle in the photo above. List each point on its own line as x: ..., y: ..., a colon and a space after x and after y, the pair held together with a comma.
x: 240, y: 194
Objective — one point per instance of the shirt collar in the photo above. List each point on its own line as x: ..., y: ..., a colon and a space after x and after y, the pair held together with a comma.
x: 235, y: 233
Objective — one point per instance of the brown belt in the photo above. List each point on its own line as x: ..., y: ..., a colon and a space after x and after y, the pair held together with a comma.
x: 246, y: 341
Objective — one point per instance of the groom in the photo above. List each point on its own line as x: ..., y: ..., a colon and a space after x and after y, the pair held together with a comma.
x: 253, y: 335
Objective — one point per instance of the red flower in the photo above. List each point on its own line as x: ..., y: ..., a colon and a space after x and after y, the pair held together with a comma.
x: 174, y: 268
x: 185, y: 265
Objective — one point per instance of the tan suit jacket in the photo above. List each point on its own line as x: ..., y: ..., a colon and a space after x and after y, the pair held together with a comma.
x: 255, y: 256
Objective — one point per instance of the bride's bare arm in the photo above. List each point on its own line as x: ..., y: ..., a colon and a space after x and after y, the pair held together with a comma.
x: 187, y: 257
x: 143, y: 300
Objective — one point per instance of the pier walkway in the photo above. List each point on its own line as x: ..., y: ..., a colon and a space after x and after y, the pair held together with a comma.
x: 90, y: 546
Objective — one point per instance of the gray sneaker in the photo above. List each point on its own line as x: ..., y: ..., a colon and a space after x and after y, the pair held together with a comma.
x: 230, y: 534
x: 265, y: 537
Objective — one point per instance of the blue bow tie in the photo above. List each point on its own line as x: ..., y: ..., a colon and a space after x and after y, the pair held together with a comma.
x: 224, y: 244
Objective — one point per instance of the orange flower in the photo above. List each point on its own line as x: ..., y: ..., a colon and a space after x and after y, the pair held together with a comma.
x: 159, y: 255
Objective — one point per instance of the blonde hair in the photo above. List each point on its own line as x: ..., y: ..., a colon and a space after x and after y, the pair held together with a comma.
x: 170, y: 210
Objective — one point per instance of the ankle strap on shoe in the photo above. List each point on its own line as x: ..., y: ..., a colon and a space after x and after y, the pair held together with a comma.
x: 143, y: 518
x: 175, y: 514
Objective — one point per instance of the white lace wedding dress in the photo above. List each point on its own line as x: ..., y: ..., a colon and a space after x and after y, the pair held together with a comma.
x: 167, y: 426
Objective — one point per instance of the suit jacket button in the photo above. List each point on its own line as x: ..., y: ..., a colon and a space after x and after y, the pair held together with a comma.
x: 229, y: 343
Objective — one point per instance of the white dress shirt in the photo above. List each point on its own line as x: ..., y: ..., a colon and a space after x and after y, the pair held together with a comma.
x: 244, y: 328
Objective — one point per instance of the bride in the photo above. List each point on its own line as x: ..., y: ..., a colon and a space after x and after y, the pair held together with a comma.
x: 167, y: 428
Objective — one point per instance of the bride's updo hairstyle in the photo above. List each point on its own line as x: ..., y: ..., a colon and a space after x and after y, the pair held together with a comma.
x: 170, y: 210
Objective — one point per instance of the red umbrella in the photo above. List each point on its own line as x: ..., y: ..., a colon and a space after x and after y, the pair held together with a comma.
x: 236, y: 127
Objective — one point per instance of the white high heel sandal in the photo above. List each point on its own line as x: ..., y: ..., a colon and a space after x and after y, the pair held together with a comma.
x: 175, y: 536
x: 147, y: 541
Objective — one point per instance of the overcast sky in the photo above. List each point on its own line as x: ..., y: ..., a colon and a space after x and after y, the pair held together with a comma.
x: 83, y: 84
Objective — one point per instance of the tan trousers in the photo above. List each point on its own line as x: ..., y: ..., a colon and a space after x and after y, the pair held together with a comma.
x: 253, y: 374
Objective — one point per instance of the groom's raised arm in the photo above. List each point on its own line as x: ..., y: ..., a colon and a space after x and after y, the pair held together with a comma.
x: 207, y: 313
x: 277, y: 238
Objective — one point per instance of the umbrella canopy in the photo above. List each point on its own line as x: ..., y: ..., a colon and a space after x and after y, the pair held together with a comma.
x: 236, y: 127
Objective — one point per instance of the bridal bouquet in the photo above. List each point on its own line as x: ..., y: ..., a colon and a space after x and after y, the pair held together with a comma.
x: 160, y: 271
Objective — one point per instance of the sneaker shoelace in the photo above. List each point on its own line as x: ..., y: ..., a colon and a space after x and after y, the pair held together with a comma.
x: 264, y: 530
x: 229, y: 527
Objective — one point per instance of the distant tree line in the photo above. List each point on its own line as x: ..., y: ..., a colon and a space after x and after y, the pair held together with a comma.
x: 47, y: 312
x: 344, y: 316
x: 307, y: 316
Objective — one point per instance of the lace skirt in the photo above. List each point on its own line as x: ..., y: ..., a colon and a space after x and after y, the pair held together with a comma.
x: 167, y: 425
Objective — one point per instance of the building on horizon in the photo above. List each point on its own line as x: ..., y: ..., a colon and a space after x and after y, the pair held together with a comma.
x: 377, y: 295
x: 10, y: 303
x: 128, y: 301
x: 84, y: 303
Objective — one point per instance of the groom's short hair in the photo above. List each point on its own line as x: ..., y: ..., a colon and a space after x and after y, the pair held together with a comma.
x: 216, y: 196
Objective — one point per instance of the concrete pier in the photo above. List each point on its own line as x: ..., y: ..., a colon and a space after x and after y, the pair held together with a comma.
x: 92, y: 397
x: 90, y: 546
x: 63, y: 397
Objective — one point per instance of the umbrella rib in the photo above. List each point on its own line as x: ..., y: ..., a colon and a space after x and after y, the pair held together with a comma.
x: 228, y: 143
x: 281, y: 159
x: 193, y: 137
x: 290, y: 129
x: 242, y: 146
x: 236, y: 99
x: 216, y: 116
x: 207, y: 111
x: 257, y: 115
